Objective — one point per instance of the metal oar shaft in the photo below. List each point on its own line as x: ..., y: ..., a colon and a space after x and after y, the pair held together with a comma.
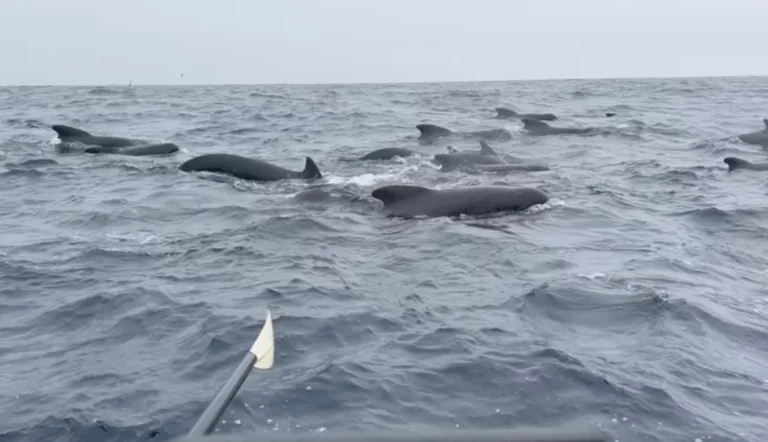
x: 210, y: 417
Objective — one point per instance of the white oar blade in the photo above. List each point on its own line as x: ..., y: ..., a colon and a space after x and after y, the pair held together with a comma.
x: 264, y: 347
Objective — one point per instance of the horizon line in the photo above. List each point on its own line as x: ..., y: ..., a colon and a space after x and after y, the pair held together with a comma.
x: 396, y: 82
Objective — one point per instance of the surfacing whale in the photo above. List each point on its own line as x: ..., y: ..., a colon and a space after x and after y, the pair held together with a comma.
x: 735, y: 163
x: 484, y: 160
x: 430, y: 132
x: 388, y: 153
x: 412, y: 201
x: 503, y: 113
x: 248, y: 168
x: 143, y: 150
x: 69, y: 134
x: 454, y: 159
x: 535, y: 127
x: 759, y: 137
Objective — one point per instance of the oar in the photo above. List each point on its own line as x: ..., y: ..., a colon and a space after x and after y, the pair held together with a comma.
x: 261, y: 355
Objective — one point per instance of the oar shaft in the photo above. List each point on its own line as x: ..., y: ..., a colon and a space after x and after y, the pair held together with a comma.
x: 210, y: 417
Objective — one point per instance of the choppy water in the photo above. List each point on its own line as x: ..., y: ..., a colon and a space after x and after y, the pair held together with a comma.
x: 635, y: 300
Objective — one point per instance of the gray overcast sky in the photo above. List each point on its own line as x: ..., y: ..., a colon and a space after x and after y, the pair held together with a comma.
x: 91, y: 42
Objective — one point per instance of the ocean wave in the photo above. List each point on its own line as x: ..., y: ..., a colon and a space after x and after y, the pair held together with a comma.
x: 633, y: 300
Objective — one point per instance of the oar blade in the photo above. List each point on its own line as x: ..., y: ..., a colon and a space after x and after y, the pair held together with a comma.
x: 264, y: 347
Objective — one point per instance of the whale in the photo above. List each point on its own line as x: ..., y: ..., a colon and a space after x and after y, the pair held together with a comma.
x: 142, y: 150
x: 735, y: 163
x: 69, y: 134
x: 486, y: 148
x: 388, y: 153
x: 430, y: 132
x: 535, y: 127
x: 503, y: 113
x: 504, y: 168
x: 759, y: 137
x: 246, y: 168
x: 455, y: 158
x: 414, y: 201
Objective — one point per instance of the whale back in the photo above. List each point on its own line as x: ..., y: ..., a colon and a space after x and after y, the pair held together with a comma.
x: 534, y: 124
x: 311, y: 170
x: 102, y: 150
x: 432, y: 131
x: 736, y: 163
x: 67, y: 132
x: 547, y: 117
x: 392, y: 194
x: 502, y: 112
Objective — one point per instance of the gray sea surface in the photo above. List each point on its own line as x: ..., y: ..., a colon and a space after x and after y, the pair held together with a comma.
x: 634, y: 300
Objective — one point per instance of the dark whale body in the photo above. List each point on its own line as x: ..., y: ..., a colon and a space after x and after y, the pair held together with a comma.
x: 411, y: 201
x: 68, y: 134
x: 143, y: 150
x: 535, y: 127
x: 430, y: 132
x: 454, y: 159
x: 503, y: 113
x: 248, y: 168
x: 388, y: 153
x: 735, y: 163
x: 759, y: 137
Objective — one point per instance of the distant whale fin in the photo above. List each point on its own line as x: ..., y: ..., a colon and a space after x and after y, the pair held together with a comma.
x: 311, y: 170
x: 486, y: 149
x: 765, y: 121
x: 431, y: 130
x: 65, y: 132
x: 504, y: 112
x: 392, y: 194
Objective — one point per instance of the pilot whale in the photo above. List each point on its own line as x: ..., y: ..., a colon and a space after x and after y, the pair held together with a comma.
x: 412, y: 201
x: 142, y: 150
x: 248, y: 168
x: 69, y: 134
x: 759, y: 137
x: 735, y: 163
x: 503, y: 113
x: 388, y: 153
x: 430, y: 132
x: 454, y: 159
x: 535, y: 127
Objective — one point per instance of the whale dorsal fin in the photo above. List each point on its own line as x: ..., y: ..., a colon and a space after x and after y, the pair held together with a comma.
x: 65, y: 132
x: 392, y: 194
x: 431, y: 130
x: 504, y: 112
x: 765, y: 121
x: 311, y: 170
x: 486, y: 149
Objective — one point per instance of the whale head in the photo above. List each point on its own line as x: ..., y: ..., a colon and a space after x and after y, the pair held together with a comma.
x: 67, y: 133
x: 736, y: 163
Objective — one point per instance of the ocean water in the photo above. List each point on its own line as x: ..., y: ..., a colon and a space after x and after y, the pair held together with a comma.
x: 634, y: 301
